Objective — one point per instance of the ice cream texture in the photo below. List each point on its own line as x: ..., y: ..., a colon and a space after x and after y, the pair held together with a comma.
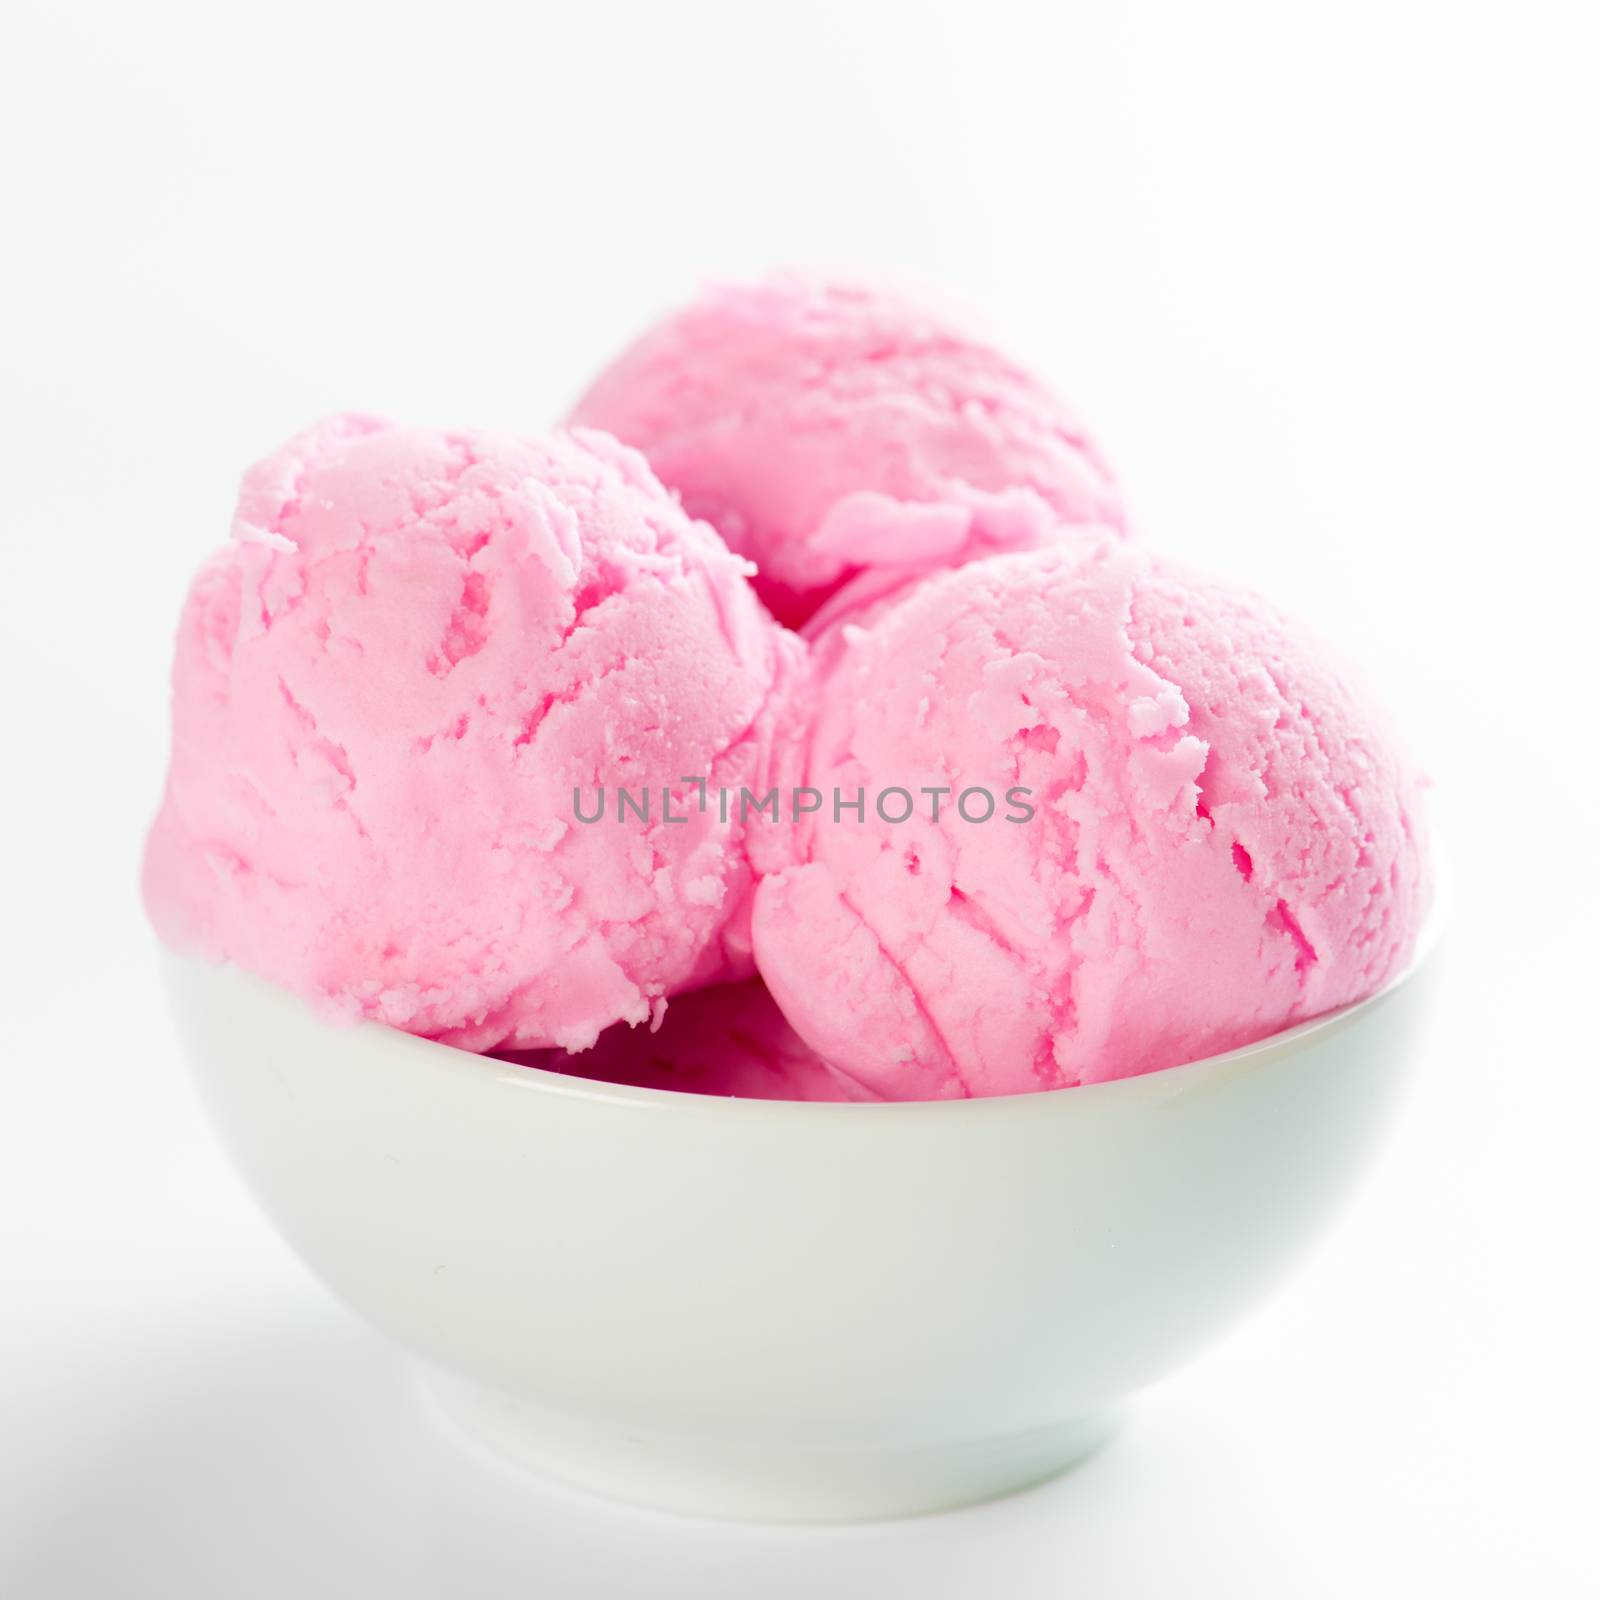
x: 1135, y: 815
x: 831, y: 427
x: 387, y: 689
x: 1225, y: 840
x: 730, y: 1039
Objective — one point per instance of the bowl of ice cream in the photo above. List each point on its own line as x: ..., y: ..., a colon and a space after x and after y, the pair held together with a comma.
x: 785, y: 958
x: 779, y: 1309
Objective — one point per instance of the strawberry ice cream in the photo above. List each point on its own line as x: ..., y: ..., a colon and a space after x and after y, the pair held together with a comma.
x: 829, y: 427
x: 467, y: 729
x: 390, y: 689
x: 730, y: 1039
x: 1220, y: 837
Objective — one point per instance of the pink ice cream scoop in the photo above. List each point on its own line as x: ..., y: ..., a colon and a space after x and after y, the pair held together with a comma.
x: 423, y: 660
x: 831, y: 427
x: 1169, y: 825
x: 730, y: 1039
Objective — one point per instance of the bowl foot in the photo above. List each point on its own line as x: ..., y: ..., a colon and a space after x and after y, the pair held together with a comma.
x: 737, y: 1479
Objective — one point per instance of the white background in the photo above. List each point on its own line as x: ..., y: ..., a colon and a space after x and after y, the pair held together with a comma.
x: 1325, y: 281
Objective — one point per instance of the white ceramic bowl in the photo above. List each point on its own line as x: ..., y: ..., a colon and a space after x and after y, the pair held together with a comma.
x: 783, y: 1310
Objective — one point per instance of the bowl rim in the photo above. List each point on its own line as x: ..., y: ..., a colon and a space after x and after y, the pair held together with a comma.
x: 1162, y: 1084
